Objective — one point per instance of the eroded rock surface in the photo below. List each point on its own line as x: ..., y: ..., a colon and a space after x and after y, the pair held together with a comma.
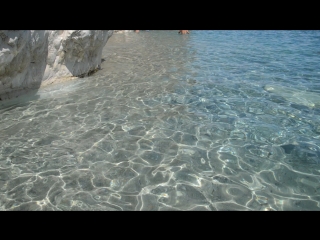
x: 30, y: 58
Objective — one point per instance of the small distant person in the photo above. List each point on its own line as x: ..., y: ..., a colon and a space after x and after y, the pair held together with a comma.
x: 183, y: 31
x: 136, y: 31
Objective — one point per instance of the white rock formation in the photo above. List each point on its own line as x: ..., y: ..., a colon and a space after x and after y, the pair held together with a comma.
x: 123, y: 31
x: 31, y: 58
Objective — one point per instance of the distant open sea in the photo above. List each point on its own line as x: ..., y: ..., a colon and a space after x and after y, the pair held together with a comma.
x: 212, y: 120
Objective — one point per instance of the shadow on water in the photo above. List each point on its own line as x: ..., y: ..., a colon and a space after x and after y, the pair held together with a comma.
x: 20, y: 101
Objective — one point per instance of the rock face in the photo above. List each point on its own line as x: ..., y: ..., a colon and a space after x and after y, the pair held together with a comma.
x: 122, y: 31
x: 30, y: 58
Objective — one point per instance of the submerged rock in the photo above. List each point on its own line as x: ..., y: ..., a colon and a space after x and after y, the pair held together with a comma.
x: 288, y: 148
x: 306, y: 98
x: 302, y: 152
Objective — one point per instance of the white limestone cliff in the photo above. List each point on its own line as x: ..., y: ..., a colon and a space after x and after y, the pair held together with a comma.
x: 32, y: 58
x: 123, y: 31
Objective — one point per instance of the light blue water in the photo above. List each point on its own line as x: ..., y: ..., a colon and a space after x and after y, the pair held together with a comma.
x: 213, y: 120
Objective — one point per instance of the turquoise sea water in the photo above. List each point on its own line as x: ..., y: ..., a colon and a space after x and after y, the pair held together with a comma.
x: 213, y: 120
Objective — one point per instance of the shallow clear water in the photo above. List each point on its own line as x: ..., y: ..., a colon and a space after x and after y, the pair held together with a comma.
x: 213, y: 120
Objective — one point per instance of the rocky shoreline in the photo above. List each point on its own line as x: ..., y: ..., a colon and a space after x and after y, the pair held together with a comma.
x: 30, y: 59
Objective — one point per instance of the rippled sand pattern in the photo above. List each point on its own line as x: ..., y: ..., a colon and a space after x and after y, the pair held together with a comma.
x: 163, y: 126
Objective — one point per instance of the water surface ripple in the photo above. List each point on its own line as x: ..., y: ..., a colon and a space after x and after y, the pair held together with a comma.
x: 214, y: 120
